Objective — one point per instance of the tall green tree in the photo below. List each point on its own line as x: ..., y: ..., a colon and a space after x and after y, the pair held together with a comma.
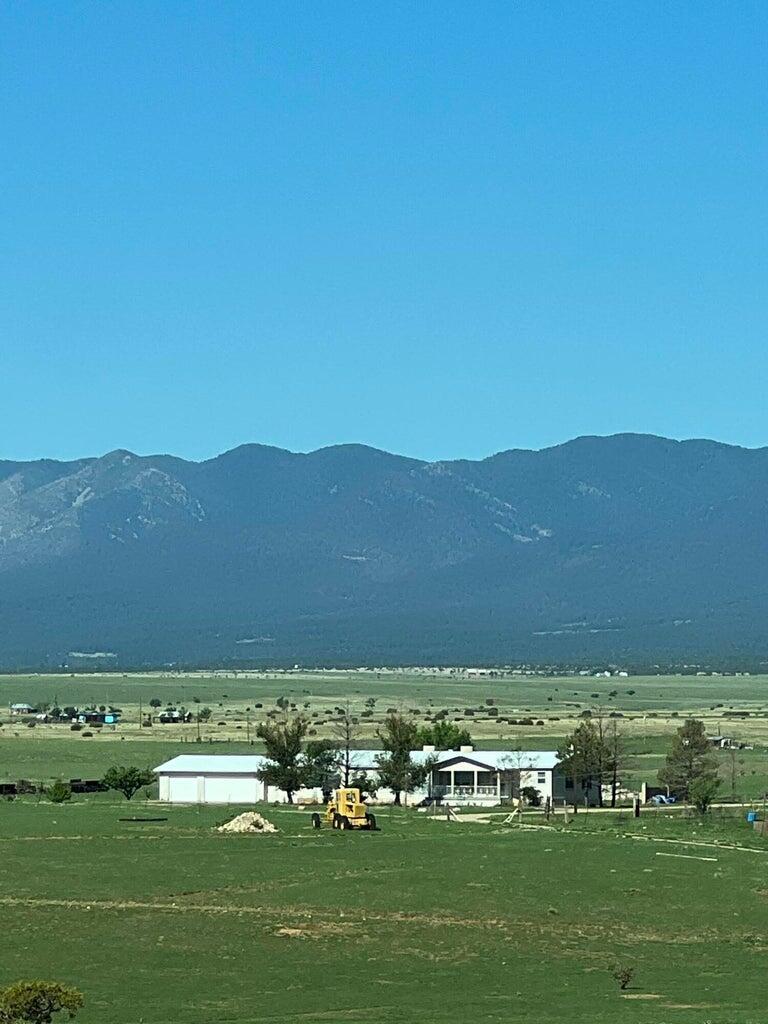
x: 127, y: 779
x: 689, y: 758
x: 286, y: 768
x: 36, y: 1002
x: 584, y: 756
x: 396, y: 768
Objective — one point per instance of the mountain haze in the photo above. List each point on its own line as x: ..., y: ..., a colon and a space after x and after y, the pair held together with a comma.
x: 622, y: 547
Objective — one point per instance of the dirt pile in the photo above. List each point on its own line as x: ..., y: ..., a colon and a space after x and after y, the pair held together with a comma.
x: 249, y: 821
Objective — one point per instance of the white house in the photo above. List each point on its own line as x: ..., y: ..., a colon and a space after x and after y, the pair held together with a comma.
x: 464, y: 776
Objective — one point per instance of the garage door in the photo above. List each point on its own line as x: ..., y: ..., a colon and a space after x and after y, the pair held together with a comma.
x: 230, y: 789
x: 183, y: 789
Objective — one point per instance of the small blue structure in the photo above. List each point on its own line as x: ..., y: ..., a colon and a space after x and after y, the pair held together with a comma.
x: 751, y: 817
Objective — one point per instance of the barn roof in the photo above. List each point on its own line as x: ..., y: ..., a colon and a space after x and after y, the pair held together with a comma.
x: 202, y: 764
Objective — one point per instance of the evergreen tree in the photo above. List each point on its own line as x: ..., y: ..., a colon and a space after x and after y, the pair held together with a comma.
x: 584, y: 757
x: 689, y: 758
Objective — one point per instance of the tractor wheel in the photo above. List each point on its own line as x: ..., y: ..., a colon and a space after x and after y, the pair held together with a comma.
x: 335, y: 822
x: 371, y: 819
x: 344, y: 822
x: 315, y: 820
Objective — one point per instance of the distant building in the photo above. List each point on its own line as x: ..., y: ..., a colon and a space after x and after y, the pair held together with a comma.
x: 465, y: 776
x: 102, y: 717
x: 21, y: 709
x: 171, y: 715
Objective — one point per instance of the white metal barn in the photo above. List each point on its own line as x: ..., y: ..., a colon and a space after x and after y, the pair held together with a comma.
x: 201, y: 779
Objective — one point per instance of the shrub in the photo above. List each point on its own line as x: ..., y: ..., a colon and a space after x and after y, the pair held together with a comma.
x: 37, y: 1001
x: 623, y: 975
x: 531, y: 796
x: 60, y: 792
x: 76, y: 727
x: 87, y: 735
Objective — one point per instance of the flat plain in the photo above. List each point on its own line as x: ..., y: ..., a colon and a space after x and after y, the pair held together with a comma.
x: 534, y: 712
x: 427, y: 920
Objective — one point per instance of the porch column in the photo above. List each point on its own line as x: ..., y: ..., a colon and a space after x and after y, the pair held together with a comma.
x: 475, y: 781
x: 453, y: 783
x: 498, y: 786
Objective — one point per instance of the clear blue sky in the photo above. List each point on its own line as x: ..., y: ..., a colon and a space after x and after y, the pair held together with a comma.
x: 443, y: 228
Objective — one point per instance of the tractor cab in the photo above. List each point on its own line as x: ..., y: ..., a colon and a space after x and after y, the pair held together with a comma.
x: 346, y: 810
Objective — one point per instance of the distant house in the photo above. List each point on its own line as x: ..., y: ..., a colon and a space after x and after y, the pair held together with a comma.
x: 464, y: 776
x: 726, y: 743
x: 98, y: 717
x: 21, y: 709
x: 172, y: 715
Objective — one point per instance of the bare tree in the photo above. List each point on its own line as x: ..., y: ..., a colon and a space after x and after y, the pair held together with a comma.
x: 345, y: 732
x: 615, y: 752
x: 735, y: 766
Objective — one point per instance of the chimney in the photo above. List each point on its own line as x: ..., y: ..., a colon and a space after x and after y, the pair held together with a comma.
x: 466, y: 750
x: 428, y: 748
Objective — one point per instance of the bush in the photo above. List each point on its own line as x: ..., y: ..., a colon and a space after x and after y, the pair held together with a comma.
x: 623, y: 975
x: 37, y: 1001
x: 76, y: 727
x: 702, y: 792
x: 531, y: 796
x: 60, y: 792
x: 86, y: 735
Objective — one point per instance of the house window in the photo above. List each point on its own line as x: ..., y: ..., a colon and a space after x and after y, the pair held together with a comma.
x: 541, y: 778
x: 569, y: 783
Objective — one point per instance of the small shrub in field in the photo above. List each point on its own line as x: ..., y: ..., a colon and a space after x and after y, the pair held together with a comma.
x: 86, y: 735
x: 623, y: 975
x: 60, y: 792
x: 76, y: 727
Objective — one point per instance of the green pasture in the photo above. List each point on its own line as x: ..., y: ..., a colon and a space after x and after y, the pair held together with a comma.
x: 424, y: 921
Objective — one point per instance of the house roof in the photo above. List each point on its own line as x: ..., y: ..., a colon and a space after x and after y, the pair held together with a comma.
x: 249, y: 764
x: 503, y: 760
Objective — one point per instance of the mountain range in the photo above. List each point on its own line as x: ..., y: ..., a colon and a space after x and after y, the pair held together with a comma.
x: 622, y: 548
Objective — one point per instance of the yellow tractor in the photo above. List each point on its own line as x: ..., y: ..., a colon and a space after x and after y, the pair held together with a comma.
x: 346, y: 810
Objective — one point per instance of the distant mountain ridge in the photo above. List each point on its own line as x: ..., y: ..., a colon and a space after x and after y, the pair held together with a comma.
x: 629, y: 546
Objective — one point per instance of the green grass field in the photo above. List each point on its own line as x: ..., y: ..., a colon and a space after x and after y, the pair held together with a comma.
x: 424, y: 921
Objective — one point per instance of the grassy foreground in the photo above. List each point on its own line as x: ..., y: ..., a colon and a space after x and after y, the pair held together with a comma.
x: 424, y: 921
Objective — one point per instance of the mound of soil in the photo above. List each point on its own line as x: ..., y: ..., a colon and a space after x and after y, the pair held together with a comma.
x: 249, y: 821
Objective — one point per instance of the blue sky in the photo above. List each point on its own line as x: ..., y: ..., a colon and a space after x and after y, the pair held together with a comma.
x: 443, y: 229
